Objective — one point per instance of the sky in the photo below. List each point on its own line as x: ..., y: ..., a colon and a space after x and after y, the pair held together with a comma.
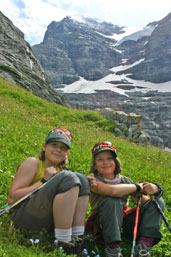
x: 33, y: 16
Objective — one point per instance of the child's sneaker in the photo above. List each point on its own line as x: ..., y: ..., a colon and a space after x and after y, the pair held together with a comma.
x: 142, y: 250
x: 113, y: 252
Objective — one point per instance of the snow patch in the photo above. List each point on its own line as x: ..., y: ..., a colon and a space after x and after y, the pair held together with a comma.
x: 125, y: 67
x: 121, y: 87
x: 147, y: 31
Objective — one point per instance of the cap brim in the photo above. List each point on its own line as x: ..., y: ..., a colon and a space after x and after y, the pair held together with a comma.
x: 55, y: 139
x: 105, y: 149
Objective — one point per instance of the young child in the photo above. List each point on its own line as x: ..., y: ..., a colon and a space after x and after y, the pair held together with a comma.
x: 61, y: 204
x: 108, y: 199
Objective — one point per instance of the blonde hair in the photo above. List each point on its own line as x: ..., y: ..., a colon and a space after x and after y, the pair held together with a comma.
x: 117, y: 161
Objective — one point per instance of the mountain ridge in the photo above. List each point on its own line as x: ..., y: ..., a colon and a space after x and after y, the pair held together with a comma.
x: 77, y: 58
x: 74, y: 55
x: 90, y: 54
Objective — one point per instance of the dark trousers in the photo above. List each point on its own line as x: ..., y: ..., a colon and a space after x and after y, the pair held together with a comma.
x: 112, y: 221
x: 36, y: 212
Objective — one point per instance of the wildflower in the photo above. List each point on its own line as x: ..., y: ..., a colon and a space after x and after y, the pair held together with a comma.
x: 31, y: 240
x: 55, y: 241
x: 36, y: 241
x: 93, y: 252
x: 85, y: 251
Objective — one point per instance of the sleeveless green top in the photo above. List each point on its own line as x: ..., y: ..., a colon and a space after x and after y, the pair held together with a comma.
x: 40, y: 172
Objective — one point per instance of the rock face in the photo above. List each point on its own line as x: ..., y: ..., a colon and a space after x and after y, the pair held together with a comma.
x: 154, y: 106
x: 130, y: 122
x: 18, y: 63
x: 156, y: 51
x: 71, y: 49
x: 155, y: 109
x: 99, y: 99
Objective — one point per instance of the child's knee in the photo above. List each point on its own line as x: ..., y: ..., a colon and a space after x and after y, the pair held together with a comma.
x: 85, y: 188
x: 69, y: 180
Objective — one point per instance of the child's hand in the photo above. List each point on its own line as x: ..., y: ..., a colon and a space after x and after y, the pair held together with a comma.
x: 49, y: 172
x: 92, y: 180
x: 150, y: 189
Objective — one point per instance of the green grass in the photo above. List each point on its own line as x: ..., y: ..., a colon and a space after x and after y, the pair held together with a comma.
x: 24, y: 122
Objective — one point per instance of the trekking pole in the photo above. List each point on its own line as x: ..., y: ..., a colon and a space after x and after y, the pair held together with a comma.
x: 9, y: 207
x: 136, y: 226
x: 154, y: 199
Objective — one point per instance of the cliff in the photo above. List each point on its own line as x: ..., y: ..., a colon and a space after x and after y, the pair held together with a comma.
x: 18, y: 63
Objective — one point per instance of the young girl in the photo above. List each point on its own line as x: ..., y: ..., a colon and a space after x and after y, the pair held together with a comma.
x: 62, y: 202
x: 108, y: 199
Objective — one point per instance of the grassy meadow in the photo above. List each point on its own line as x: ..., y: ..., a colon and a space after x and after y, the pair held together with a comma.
x: 26, y: 119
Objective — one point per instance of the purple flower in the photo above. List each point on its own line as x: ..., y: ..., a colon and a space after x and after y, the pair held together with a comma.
x: 36, y: 241
x: 31, y: 240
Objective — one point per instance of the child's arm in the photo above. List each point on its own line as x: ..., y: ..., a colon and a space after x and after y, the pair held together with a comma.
x: 148, y: 189
x: 151, y: 189
x: 24, y: 177
x: 119, y: 190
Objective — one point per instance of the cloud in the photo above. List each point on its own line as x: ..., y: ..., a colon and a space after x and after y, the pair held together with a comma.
x: 33, y: 16
x: 9, y: 9
x: 132, y: 12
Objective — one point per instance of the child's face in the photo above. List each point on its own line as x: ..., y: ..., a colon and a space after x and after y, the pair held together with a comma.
x: 55, y: 153
x: 105, y: 164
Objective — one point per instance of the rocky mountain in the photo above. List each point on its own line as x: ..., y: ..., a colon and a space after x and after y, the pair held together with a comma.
x: 155, y: 49
x: 71, y: 49
x: 92, y: 64
x: 18, y: 63
x: 88, y: 49
x: 87, y: 63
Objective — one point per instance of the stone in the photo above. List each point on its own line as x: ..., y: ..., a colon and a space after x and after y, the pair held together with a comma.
x: 144, y: 139
x: 135, y: 133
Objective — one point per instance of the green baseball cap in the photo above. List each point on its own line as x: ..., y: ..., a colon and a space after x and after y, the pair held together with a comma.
x: 59, y: 135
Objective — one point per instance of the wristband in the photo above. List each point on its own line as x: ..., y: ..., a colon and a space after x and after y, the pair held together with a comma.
x: 43, y: 180
x: 160, y: 192
x: 138, y: 188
